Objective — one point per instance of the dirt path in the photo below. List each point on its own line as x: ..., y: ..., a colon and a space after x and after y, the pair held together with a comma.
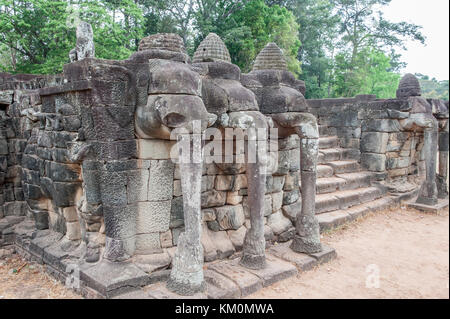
x: 22, y: 280
x: 409, y: 249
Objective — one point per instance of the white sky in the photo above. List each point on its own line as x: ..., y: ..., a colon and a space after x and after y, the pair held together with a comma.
x: 433, y: 16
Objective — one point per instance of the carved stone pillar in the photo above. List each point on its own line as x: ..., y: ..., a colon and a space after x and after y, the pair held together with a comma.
x: 307, y: 237
x: 429, y: 193
x: 253, y: 256
x: 442, y: 176
x: 186, y: 277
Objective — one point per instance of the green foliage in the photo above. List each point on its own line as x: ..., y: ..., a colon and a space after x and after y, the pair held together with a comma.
x: 432, y: 88
x: 247, y: 26
x: 41, y: 32
x: 370, y: 74
x: 36, y: 31
x: 6, y: 61
x: 340, y: 48
x: 318, y: 27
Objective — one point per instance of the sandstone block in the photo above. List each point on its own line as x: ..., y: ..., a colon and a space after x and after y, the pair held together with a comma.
x: 153, y: 217
x: 278, y: 223
x: 373, y: 162
x: 160, y: 187
x: 230, y: 217
x: 374, y: 142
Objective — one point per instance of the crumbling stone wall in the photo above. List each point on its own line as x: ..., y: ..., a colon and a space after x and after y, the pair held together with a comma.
x: 20, y: 104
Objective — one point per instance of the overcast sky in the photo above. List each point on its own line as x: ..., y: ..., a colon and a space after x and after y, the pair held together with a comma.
x: 433, y: 16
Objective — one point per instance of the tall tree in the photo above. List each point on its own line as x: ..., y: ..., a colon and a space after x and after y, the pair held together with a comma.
x: 35, y: 33
x: 318, y: 28
x: 361, y: 26
x: 40, y: 33
x: 247, y: 26
x: 368, y: 73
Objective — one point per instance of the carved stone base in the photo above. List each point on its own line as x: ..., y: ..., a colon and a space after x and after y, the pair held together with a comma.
x: 304, y: 245
x: 255, y: 262
x: 185, y: 288
x: 433, y: 209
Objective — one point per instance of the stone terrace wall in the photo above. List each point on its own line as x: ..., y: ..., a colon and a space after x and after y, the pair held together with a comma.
x: 376, y: 129
x: 69, y: 158
x: 19, y: 100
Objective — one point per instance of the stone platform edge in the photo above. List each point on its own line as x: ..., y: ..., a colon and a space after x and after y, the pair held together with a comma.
x: 125, y: 280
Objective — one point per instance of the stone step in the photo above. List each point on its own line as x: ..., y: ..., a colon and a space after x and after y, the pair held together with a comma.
x: 356, y: 180
x: 350, y: 154
x: 326, y: 203
x: 329, y: 155
x: 342, y: 182
x: 324, y: 171
x: 331, y: 220
x: 348, y: 166
x: 327, y: 185
x: 340, y: 200
x: 337, y: 154
x: 328, y: 142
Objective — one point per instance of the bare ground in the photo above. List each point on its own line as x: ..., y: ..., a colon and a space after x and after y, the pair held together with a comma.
x: 409, y: 249
x: 22, y: 280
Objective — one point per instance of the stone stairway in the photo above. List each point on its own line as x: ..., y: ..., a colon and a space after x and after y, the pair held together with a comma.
x: 343, y: 190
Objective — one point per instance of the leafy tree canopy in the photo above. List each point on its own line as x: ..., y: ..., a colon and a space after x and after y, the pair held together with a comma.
x: 340, y: 48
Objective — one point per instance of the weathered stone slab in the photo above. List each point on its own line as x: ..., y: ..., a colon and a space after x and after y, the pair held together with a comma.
x: 369, y: 194
x: 324, y: 171
x: 326, y: 203
x: 219, y: 286
x: 113, y: 278
x: 153, y: 217
x: 384, y: 125
x: 160, y: 291
x: 332, y: 154
x: 302, y: 261
x: 382, y: 204
x: 248, y: 283
x: 59, y: 254
x: 152, y: 262
x: 327, y: 254
x: 348, y: 198
x: 237, y: 237
x: 358, y: 211
x: 373, y: 162
x: 160, y: 185
x: 223, y: 245
x: 155, y: 149
x: 43, y: 239
x: 374, y: 142
x: 332, y: 220
x: 329, y: 184
x: 328, y: 142
x: 432, y: 209
x: 230, y: 217
x: 291, y: 211
x: 344, y: 166
x: 278, y: 223
x: 355, y: 180
x: 148, y: 243
x: 275, y: 270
